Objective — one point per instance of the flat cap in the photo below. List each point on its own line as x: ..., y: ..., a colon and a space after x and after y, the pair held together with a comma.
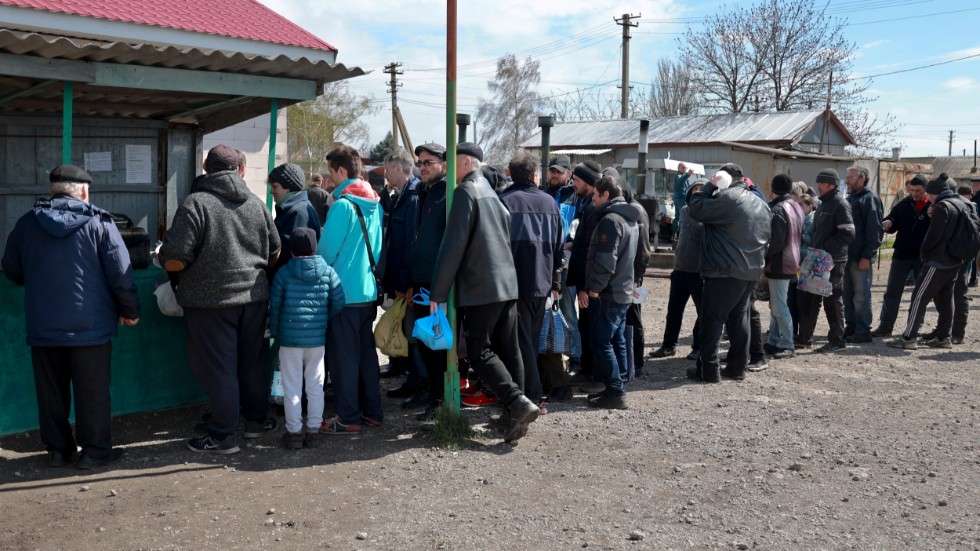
x: 69, y: 173
x: 432, y: 149
x: 470, y: 149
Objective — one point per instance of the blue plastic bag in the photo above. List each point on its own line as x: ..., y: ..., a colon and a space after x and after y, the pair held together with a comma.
x: 434, y: 331
x: 556, y: 335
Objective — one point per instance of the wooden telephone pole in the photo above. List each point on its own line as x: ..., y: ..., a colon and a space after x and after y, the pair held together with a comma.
x: 626, y: 24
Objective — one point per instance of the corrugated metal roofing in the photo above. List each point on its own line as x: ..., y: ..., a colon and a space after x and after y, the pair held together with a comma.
x: 956, y: 167
x: 245, y: 19
x: 785, y: 127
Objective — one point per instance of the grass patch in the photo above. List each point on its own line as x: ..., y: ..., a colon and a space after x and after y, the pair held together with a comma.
x: 452, y: 429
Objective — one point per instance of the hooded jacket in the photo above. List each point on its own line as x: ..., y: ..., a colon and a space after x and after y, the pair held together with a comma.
x: 945, y: 213
x: 911, y: 225
x: 586, y: 216
x: 476, y: 253
x: 293, y: 212
x: 430, y: 225
x: 833, y: 227
x: 567, y: 204
x: 536, y: 239
x: 76, y: 272
x: 399, y: 235
x: 736, y: 231
x: 866, y: 212
x: 225, y: 237
x: 305, y: 294
x: 783, y: 256
x: 342, y: 243
x: 612, y: 250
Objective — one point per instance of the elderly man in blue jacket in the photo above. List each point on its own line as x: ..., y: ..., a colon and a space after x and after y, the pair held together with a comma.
x: 78, y: 280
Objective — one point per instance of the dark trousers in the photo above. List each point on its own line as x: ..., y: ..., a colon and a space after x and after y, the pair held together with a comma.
x: 353, y: 364
x: 933, y: 284
x: 634, y: 321
x: 224, y: 346
x: 530, y: 318
x: 59, y: 370
x: 833, y: 306
x: 587, y: 360
x: 683, y: 285
x: 892, y: 301
x: 961, y: 304
x: 756, y: 351
x: 491, y: 335
x: 725, y: 302
x: 434, y: 361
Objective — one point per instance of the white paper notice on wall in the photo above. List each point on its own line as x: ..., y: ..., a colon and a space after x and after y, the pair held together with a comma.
x: 138, y: 164
x: 98, y: 161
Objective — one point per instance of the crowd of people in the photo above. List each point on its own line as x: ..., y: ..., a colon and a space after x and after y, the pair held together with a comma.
x: 511, y: 247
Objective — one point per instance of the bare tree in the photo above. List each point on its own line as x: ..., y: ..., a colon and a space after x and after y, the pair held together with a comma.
x: 672, y: 93
x: 317, y: 126
x: 594, y: 104
x: 509, y: 116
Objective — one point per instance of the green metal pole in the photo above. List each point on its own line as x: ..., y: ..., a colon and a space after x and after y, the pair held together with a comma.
x: 66, y: 113
x: 274, y: 118
x: 451, y: 398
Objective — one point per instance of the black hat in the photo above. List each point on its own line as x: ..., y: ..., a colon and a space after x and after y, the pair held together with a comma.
x: 432, y: 149
x: 289, y: 176
x: 939, y: 184
x: 221, y: 157
x: 733, y: 169
x: 782, y: 184
x: 702, y: 181
x: 588, y: 172
x: 828, y: 176
x: 69, y: 174
x: 302, y: 242
x: 918, y: 180
x: 964, y: 189
x: 470, y: 149
x: 560, y: 162
x: 494, y: 177
x: 612, y: 173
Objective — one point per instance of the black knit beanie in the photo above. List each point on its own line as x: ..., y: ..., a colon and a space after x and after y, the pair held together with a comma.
x: 588, y: 171
x: 289, y: 176
x: 938, y: 185
x: 782, y: 184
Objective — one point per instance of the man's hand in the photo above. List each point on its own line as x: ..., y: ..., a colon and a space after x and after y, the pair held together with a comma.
x: 568, y: 246
x: 864, y: 265
x: 128, y: 321
x: 399, y: 295
x: 690, y: 172
x: 886, y: 225
x: 583, y: 299
x: 433, y: 306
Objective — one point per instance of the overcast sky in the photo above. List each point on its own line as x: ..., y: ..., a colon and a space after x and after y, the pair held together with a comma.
x: 578, y: 45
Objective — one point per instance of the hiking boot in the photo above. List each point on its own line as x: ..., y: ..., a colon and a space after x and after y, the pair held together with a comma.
x: 254, y: 429
x: 404, y: 391
x: 697, y: 374
x: 693, y: 355
x: 312, y: 438
x: 560, y: 394
x: 783, y: 353
x: 608, y: 400
x: 939, y: 343
x: 523, y: 412
x: 735, y: 374
x: 758, y: 365
x: 478, y: 400
x: 956, y: 340
x: 881, y: 332
x: 336, y: 426
x: 832, y: 347
x: 591, y: 387
x: 208, y: 444
x: 900, y: 342
x: 87, y: 462
x: 857, y: 338
x: 663, y: 352
x: 292, y: 440
x: 420, y: 399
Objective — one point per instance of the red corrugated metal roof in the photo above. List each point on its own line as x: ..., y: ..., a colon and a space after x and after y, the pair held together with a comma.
x: 246, y: 19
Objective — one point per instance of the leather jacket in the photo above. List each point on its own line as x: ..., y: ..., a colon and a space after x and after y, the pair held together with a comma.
x: 736, y: 231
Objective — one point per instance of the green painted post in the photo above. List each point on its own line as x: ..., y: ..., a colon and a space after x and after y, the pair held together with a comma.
x: 451, y: 397
x: 68, y: 93
x: 272, y: 149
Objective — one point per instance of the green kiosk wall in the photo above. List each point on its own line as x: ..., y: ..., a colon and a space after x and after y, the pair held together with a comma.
x: 149, y: 361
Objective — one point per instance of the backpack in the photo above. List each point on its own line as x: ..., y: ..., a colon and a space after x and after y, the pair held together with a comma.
x: 964, y: 243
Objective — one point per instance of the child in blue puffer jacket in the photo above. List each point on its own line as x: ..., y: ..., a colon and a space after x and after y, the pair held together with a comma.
x: 306, y: 293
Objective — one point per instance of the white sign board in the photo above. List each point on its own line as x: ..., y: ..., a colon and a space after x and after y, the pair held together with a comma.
x: 139, y: 168
x: 98, y: 161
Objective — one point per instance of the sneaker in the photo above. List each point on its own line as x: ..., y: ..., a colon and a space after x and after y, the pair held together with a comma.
x: 609, y: 401
x: 832, y: 347
x: 87, y: 462
x: 254, y: 429
x: 900, y: 342
x: 591, y: 387
x: 207, y: 444
x: 939, y: 343
x: 468, y: 387
x: 523, y: 412
x: 857, y: 338
x: 370, y: 421
x: 693, y: 355
x: 312, y: 438
x: 782, y: 354
x: 336, y: 426
x: 735, y: 375
x: 420, y: 399
x: 57, y: 459
x: 292, y: 440
x: 478, y: 400
x: 956, y: 340
x: 881, y: 332
x: 663, y: 352
x: 560, y: 394
x: 404, y: 391
x: 756, y: 366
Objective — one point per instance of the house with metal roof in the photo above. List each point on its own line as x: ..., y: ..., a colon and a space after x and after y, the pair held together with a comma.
x: 128, y: 90
x: 962, y: 169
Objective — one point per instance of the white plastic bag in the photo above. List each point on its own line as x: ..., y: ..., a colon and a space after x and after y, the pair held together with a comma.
x: 167, y: 300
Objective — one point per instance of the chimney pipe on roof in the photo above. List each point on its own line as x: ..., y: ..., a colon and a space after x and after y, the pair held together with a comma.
x: 896, y: 153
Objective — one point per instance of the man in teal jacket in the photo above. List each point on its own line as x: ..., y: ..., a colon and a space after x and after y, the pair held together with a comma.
x: 351, y: 357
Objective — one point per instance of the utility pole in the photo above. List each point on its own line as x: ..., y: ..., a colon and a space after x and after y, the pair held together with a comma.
x: 951, y: 134
x: 625, y: 23
x: 392, y: 69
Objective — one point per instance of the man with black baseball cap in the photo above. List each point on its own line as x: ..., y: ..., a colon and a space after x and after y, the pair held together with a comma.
x: 78, y: 288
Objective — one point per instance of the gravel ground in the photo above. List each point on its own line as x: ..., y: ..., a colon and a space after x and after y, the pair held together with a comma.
x: 870, y: 448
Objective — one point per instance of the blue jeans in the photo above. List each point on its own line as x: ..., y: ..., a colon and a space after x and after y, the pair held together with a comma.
x: 607, y: 326
x: 781, y: 323
x: 857, y: 297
